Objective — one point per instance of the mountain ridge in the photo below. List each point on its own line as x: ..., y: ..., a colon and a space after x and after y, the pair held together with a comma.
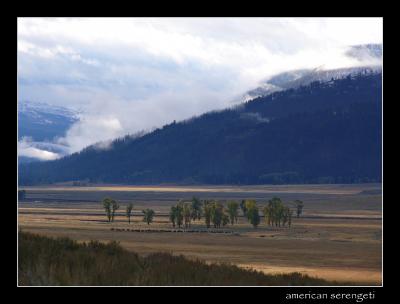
x: 294, y: 79
x: 323, y: 132
x: 368, y: 57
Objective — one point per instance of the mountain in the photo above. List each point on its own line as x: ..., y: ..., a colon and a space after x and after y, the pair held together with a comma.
x: 296, y: 78
x: 369, y: 57
x: 275, y: 83
x: 39, y: 125
x: 43, y: 122
x: 365, y: 52
x: 325, y: 132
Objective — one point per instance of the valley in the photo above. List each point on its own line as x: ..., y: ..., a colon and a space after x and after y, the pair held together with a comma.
x: 338, y: 236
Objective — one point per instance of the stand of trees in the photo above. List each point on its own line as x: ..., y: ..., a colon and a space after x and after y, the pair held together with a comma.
x: 214, y: 213
x: 276, y: 214
x: 218, y: 215
x: 176, y: 215
x: 185, y: 212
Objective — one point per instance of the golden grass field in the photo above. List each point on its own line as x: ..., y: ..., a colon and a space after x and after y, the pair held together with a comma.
x: 339, y: 236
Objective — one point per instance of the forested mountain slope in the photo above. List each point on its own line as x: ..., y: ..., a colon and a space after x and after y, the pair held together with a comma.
x: 322, y: 132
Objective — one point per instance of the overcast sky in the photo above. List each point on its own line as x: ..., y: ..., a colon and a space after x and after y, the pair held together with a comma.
x: 130, y: 74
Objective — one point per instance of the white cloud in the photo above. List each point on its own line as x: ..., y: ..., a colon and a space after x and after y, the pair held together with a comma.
x: 95, y: 128
x: 130, y: 74
x: 25, y: 148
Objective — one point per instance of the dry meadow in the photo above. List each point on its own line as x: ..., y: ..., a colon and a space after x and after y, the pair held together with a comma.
x: 338, y: 237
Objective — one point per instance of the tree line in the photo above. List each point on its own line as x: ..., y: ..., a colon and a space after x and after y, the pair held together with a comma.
x: 215, y: 213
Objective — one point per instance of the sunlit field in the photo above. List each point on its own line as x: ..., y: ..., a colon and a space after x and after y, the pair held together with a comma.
x: 338, y: 236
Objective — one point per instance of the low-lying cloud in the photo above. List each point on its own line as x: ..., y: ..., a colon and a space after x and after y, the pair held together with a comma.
x: 27, y: 148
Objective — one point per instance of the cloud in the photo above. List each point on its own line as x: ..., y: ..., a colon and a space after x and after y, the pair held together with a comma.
x: 132, y: 74
x: 93, y: 127
x: 255, y: 116
x: 27, y: 149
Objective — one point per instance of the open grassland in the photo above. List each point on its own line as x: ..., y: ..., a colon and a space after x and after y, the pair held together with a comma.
x: 338, y: 236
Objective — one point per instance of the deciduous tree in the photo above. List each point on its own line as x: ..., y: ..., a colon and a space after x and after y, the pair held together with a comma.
x: 233, y: 211
x: 107, y: 202
x: 225, y: 219
x: 114, y: 207
x: 179, y: 213
x: 290, y: 218
x: 187, y: 214
x: 148, y: 215
x: 207, y: 206
x: 217, y: 211
x: 196, y: 209
x: 253, y: 215
x: 299, y: 207
x: 243, y: 207
x: 172, y: 215
x: 129, y: 209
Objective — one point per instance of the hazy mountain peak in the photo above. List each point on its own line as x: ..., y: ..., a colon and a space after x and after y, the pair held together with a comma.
x: 363, y: 52
x: 368, y: 55
x: 26, y: 106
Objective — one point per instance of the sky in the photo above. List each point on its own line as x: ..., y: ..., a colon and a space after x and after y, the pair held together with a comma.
x: 126, y: 75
